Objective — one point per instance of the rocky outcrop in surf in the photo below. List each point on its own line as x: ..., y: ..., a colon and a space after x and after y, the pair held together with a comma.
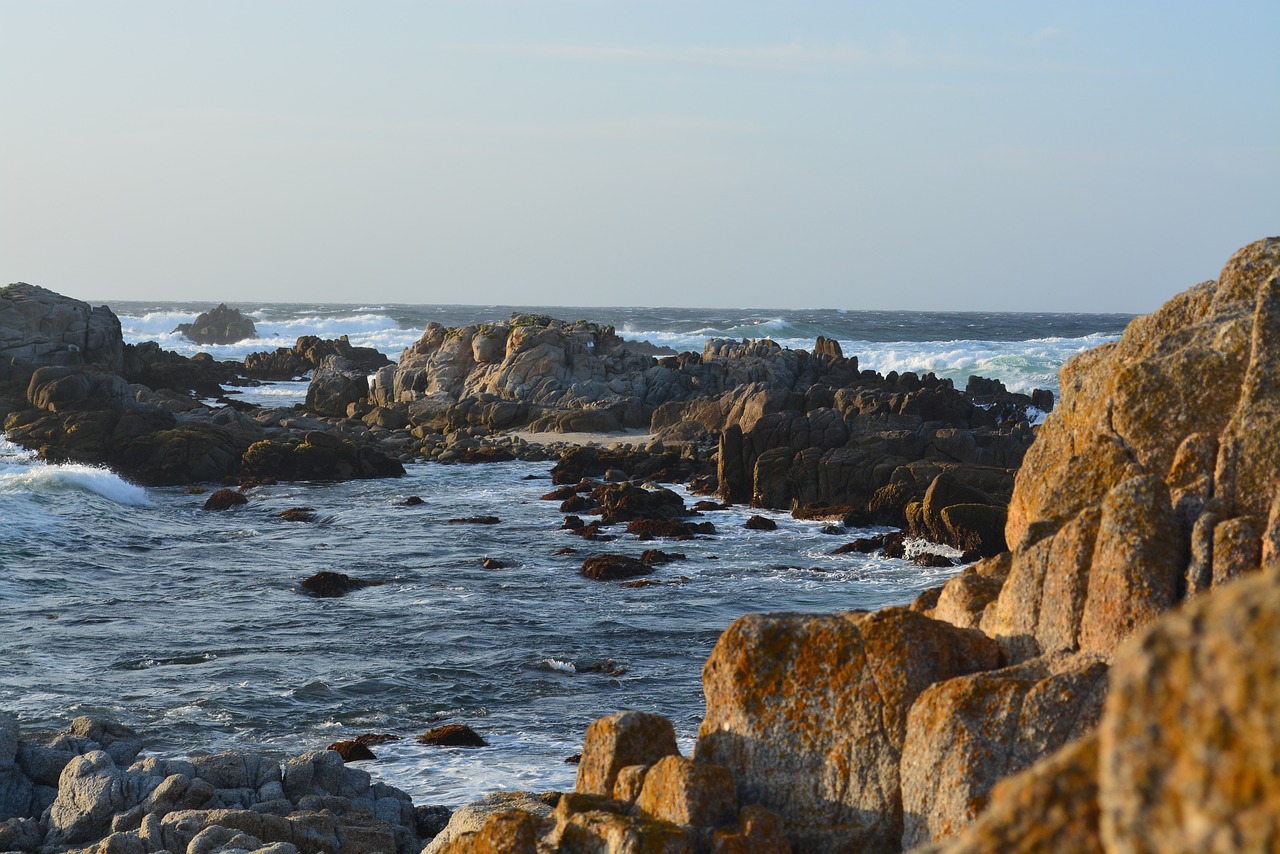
x: 220, y: 325
x: 1140, y: 527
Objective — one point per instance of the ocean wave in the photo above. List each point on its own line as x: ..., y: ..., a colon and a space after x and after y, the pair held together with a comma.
x: 364, y: 328
x: 40, y: 478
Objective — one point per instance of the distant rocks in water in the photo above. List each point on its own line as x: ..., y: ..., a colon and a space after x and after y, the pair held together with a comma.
x: 760, y: 523
x: 413, y: 501
x: 219, y: 325
x: 331, y: 585
x: 657, y: 557
x: 614, y: 567
x: 352, y: 751
x: 494, y: 563
x: 475, y: 520
x: 452, y: 735
x: 669, y: 529
x: 225, y: 499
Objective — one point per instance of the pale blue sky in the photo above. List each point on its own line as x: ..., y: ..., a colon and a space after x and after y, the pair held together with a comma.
x: 1025, y: 156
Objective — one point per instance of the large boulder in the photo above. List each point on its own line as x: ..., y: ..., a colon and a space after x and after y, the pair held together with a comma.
x: 809, y: 714
x: 1190, y: 740
x: 335, y: 385
x: 966, y: 734
x: 39, y: 327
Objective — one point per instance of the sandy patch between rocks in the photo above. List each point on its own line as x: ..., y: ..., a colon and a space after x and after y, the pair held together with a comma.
x: 597, y: 440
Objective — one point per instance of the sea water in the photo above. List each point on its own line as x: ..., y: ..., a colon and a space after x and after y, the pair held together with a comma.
x: 190, y: 625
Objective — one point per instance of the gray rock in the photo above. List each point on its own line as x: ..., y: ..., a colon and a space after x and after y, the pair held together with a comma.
x: 39, y: 327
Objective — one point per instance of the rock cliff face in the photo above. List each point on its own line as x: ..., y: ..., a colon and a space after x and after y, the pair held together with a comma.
x: 1157, y: 475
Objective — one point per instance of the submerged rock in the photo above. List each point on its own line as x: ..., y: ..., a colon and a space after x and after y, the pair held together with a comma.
x: 225, y: 499
x: 331, y: 585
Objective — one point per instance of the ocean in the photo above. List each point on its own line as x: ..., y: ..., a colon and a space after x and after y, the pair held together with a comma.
x: 190, y: 626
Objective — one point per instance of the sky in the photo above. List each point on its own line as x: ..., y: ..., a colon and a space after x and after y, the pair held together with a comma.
x: 1084, y: 156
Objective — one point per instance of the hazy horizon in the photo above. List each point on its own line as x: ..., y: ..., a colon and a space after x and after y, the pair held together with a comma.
x: 1093, y: 158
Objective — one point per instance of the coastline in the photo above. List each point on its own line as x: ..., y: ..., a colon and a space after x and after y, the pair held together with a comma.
x: 1078, y: 569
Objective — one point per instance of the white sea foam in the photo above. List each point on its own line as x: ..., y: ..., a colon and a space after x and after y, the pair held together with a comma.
x: 557, y: 664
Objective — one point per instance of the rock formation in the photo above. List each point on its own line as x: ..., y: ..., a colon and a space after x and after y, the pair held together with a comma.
x: 72, y: 390
x: 793, y: 427
x: 220, y: 325
x: 980, y: 718
x: 307, y: 354
x: 39, y: 327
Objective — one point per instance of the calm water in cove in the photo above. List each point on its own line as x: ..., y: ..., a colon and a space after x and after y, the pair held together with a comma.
x: 190, y: 625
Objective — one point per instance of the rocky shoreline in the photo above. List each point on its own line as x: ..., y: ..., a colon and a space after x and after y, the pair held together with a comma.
x: 1009, y: 710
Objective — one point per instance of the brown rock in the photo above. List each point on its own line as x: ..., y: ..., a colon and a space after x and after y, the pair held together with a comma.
x: 758, y: 831
x: 966, y: 734
x: 611, y: 567
x: 1190, y: 740
x: 963, y: 598
x: 760, y: 523
x: 1138, y: 564
x: 593, y: 825
x: 1052, y: 806
x: 225, y: 499
x: 298, y: 514
x: 506, y: 832
x: 682, y: 791
x: 809, y: 714
x: 1038, y: 609
x: 618, y: 740
x: 352, y: 750
x: 452, y: 735
x: 1186, y: 403
x: 331, y: 585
